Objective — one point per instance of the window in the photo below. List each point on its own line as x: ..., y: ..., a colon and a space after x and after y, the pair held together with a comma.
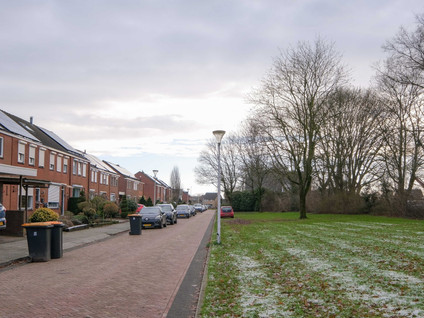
x: 107, y: 179
x: 54, y: 194
x: 37, y: 195
x: 79, y: 168
x: 112, y: 197
x: 74, y: 167
x: 52, y: 160
x: 59, y: 163
x: 135, y: 186
x: 1, y: 147
x: 27, y: 203
x: 65, y: 165
x: 32, y: 155
x: 114, y: 182
x: 21, y: 152
x: 84, y: 170
x: 76, y: 192
x: 41, y: 155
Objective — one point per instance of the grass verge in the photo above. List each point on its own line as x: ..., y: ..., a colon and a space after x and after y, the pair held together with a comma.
x: 275, y: 265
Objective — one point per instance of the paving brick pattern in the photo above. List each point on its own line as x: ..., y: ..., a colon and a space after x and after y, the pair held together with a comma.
x: 124, y: 276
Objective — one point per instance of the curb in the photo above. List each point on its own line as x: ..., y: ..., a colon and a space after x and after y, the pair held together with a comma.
x: 205, y: 277
x: 186, y: 300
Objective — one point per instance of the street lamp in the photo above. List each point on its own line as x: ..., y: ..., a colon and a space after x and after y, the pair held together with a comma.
x: 218, y: 135
x: 155, y: 172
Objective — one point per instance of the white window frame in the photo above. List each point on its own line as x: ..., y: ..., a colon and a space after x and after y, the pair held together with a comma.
x: 1, y: 146
x: 84, y: 170
x: 65, y: 164
x: 59, y: 163
x: 21, y: 151
x: 31, y: 155
x: 41, y: 157
x: 52, y: 160
x: 74, y: 167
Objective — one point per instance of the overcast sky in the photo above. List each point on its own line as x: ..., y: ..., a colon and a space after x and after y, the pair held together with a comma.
x: 144, y: 83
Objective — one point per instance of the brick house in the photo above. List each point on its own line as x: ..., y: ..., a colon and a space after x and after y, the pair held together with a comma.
x: 128, y: 184
x: 37, y: 168
x: 103, y: 179
x: 154, y: 188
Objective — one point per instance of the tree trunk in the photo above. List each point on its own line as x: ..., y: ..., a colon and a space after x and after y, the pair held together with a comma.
x: 302, y: 203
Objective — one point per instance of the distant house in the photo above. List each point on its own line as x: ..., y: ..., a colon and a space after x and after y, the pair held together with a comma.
x: 154, y: 188
x: 103, y: 179
x: 128, y: 184
x: 211, y: 198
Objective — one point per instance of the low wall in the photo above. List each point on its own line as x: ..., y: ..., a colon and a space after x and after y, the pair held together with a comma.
x: 14, y: 221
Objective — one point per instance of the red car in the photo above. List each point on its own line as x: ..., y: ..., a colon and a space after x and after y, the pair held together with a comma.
x: 139, y: 207
x: 227, y: 212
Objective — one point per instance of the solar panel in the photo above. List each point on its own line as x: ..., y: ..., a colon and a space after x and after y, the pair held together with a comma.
x: 59, y: 140
x: 12, y: 126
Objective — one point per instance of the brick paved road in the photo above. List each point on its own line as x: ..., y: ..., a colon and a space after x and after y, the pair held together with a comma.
x: 125, y: 276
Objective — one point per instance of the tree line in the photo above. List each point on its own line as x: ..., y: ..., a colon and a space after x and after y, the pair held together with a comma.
x: 314, y: 142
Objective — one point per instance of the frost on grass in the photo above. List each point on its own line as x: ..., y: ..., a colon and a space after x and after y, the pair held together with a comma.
x: 260, y: 295
x: 356, y: 290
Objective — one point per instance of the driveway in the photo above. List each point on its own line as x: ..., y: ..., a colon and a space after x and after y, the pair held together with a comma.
x: 124, y: 276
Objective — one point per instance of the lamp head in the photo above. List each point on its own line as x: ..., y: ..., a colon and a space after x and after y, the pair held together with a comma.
x: 218, y: 135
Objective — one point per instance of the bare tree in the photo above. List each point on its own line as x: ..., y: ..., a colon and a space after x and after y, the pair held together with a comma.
x: 290, y: 106
x: 350, y: 141
x: 407, y: 49
x: 254, y: 158
x: 207, y: 170
x: 175, y: 184
x: 402, y: 154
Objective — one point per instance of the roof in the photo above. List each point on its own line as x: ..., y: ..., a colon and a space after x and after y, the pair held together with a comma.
x: 98, y: 163
x: 121, y: 170
x: 23, y: 128
x: 210, y: 196
x: 161, y: 182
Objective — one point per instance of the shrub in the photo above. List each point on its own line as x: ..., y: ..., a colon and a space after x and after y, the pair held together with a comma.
x: 44, y: 215
x: 110, y: 209
x: 132, y: 206
x: 142, y: 200
x: 80, y: 218
x: 124, y: 214
x: 84, y: 205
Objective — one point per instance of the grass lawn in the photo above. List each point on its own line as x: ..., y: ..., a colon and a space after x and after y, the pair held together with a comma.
x: 275, y: 265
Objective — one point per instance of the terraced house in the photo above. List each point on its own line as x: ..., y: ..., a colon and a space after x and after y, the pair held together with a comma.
x: 38, y: 168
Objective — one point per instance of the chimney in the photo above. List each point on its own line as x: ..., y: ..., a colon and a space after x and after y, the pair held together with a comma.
x: 31, y: 120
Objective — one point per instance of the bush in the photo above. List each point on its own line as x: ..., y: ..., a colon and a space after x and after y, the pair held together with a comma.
x: 110, y: 209
x: 80, y: 219
x: 124, y: 214
x: 44, y: 215
x: 132, y: 206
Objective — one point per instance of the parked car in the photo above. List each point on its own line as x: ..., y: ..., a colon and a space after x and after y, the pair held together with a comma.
x: 192, y: 210
x: 171, y: 214
x: 139, y: 207
x: 183, y: 210
x: 227, y: 212
x: 152, y: 216
x: 2, y: 217
x: 198, y: 207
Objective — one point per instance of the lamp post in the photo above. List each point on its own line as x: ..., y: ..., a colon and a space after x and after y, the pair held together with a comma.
x: 218, y: 135
x: 155, y: 172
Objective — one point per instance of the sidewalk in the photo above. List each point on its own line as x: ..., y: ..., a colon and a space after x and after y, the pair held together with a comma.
x: 16, y: 248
